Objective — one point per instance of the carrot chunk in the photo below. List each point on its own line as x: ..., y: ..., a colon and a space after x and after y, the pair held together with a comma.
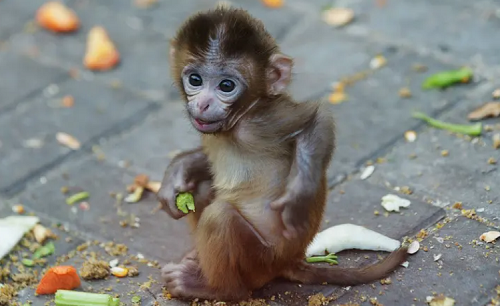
x: 60, y: 277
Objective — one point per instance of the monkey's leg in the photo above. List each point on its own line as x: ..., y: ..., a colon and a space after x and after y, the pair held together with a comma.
x: 232, y: 259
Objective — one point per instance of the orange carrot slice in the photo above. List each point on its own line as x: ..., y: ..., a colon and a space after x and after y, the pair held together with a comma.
x: 56, y: 17
x: 274, y: 3
x: 60, y: 277
x: 101, y: 53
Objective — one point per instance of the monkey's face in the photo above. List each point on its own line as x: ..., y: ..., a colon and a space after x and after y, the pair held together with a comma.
x: 211, y: 92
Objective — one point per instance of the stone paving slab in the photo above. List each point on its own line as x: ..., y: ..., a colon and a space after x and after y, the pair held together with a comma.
x: 92, y: 116
x: 21, y: 77
x: 374, y: 114
x: 459, y: 28
x: 462, y: 176
x: 158, y: 236
x: 466, y: 271
x: 149, y: 147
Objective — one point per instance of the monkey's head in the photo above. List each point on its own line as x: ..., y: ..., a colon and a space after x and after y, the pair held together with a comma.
x: 225, y: 63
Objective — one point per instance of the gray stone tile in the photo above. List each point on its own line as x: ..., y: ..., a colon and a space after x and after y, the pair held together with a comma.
x: 460, y: 28
x: 466, y: 271
x: 98, y: 110
x: 374, y: 114
x: 21, y: 77
x: 15, y: 14
x: 158, y: 235
x: 160, y: 135
x: 462, y: 176
x: 356, y: 201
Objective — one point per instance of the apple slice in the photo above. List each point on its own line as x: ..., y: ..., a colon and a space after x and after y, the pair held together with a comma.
x: 56, y: 17
x: 101, y: 53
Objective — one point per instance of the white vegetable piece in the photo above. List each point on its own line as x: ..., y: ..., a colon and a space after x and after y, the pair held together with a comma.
x: 12, y: 229
x: 392, y: 202
x: 367, y: 172
x: 349, y: 236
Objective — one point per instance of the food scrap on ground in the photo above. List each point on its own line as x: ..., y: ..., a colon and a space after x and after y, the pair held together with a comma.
x: 471, y: 130
x: 45, y: 250
x: 12, y: 229
x: 338, y: 94
x: 75, y: 298
x: 413, y: 247
x: 57, y: 17
x: 496, y: 140
x: 440, y: 300
x: 119, y: 271
x: 392, y: 202
x: 447, y: 78
x: 56, y: 278
x: 487, y: 110
x: 94, y: 269
x: 490, y: 236
x: 367, y: 172
x: 141, y: 183
x: 18, y: 209
x: 405, y: 92
x: 273, y: 3
x: 378, y: 62
x: 330, y: 258
x: 42, y: 233
x: 350, y: 236
x: 101, y: 54
x: 80, y: 196
x: 337, y: 16
x: 410, y: 136
x: 68, y: 141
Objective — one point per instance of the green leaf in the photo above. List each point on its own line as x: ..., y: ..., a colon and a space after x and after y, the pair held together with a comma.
x: 185, y: 202
x: 46, y: 250
x: 28, y: 262
x: 447, y: 78
x: 136, y: 299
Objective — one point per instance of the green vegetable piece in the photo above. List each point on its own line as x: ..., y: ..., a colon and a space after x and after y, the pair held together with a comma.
x: 45, y: 250
x: 330, y: 258
x: 136, y: 299
x: 28, y: 262
x: 447, y: 78
x: 185, y: 202
x: 472, y: 130
x: 78, y: 298
x: 77, y: 197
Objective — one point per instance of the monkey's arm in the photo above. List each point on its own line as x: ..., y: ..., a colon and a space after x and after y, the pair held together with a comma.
x: 183, y: 174
x: 314, y: 146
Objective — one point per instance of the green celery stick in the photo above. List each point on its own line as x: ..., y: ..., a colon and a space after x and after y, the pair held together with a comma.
x: 77, y: 197
x: 330, y: 258
x: 28, y: 262
x: 78, y: 298
x: 472, y: 130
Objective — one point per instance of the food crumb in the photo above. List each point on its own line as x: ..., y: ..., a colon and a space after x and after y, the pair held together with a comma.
x: 94, y: 269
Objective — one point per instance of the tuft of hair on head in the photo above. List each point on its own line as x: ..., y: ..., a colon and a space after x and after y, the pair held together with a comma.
x: 225, y: 33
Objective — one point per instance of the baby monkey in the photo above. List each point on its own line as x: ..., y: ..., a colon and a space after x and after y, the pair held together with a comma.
x: 259, y: 176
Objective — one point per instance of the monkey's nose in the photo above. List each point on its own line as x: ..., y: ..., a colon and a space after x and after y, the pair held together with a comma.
x: 203, y: 106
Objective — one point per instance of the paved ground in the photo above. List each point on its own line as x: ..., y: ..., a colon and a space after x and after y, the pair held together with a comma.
x: 129, y: 120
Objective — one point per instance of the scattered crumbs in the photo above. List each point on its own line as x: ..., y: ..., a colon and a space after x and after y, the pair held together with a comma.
x: 492, y: 161
x: 422, y: 234
x: 94, y: 269
x: 386, y: 281
x: 487, y: 188
x: 445, y: 153
x: 457, y: 205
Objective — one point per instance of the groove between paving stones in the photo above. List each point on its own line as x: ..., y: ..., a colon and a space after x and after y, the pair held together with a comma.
x: 86, y: 147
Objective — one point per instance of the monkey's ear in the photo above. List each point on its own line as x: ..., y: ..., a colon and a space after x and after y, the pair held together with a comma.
x: 171, y: 52
x: 279, y: 73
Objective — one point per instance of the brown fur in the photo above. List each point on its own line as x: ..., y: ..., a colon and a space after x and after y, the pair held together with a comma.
x: 273, y: 149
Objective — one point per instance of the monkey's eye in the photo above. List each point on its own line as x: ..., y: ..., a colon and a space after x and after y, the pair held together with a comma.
x: 195, y: 80
x: 227, y: 85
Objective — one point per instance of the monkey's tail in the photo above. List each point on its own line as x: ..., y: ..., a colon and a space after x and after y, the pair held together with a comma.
x: 314, y: 274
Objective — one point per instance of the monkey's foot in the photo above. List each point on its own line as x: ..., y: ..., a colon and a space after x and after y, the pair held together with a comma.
x: 185, y: 280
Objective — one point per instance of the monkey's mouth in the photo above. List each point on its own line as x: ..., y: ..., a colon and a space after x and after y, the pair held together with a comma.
x: 206, y: 126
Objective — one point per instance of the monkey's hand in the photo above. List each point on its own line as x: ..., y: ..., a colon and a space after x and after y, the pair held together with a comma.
x: 182, y: 175
x: 293, y: 205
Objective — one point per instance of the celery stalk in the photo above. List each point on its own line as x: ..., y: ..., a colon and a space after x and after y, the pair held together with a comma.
x: 77, y: 197
x: 330, y: 258
x: 78, y: 298
x: 472, y: 130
